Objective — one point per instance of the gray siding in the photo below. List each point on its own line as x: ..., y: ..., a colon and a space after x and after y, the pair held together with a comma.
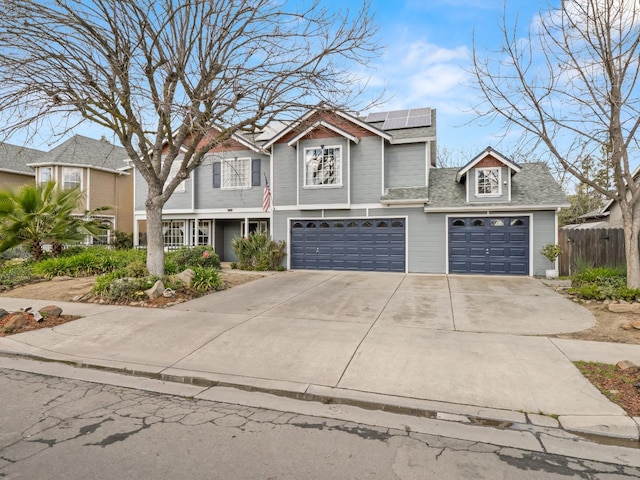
x: 328, y: 194
x: 471, y: 186
x: 405, y: 165
x: 366, y: 170
x: 284, y: 183
x: 543, y: 232
x: 207, y: 197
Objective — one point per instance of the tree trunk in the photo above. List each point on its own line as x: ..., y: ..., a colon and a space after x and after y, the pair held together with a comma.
x: 155, y: 241
x: 631, y: 224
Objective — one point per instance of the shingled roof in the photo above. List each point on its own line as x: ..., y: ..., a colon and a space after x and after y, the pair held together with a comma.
x: 15, y: 159
x: 85, y: 152
x: 533, y: 186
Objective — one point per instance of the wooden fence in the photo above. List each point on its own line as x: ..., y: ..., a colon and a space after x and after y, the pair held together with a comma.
x: 592, y: 246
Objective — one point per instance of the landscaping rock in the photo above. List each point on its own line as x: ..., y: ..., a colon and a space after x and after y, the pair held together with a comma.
x: 156, y: 291
x: 3, y: 313
x: 16, y: 320
x: 186, y: 276
x: 620, y: 307
x: 635, y: 325
x: 61, y: 278
x: 624, y: 365
x: 51, y: 311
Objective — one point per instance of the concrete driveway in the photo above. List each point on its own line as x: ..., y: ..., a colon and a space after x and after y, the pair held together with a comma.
x: 509, y: 305
x: 461, y: 340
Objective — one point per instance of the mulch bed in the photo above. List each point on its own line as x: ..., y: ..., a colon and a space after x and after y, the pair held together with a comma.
x: 46, y: 322
x: 618, y: 386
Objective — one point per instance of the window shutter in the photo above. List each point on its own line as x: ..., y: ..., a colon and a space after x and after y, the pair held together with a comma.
x: 217, y: 174
x: 255, y: 172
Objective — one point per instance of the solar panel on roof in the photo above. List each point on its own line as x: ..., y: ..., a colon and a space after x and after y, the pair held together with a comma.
x: 395, y: 123
x: 377, y: 117
x: 419, y: 121
x: 419, y: 112
x: 398, y: 114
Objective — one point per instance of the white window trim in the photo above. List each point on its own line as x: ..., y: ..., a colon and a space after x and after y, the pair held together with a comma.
x: 40, y: 170
x: 69, y: 169
x: 338, y: 183
x: 499, y: 194
x: 225, y: 167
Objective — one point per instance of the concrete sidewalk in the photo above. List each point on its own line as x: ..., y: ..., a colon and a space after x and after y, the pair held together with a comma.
x: 430, y: 343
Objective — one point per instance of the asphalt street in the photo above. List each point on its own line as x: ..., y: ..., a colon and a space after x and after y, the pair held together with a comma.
x: 53, y: 427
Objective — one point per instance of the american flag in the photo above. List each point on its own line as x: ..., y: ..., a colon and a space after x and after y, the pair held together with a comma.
x: 266, y: 198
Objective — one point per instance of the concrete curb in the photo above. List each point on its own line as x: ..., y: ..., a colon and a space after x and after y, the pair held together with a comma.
x: 620, y: 430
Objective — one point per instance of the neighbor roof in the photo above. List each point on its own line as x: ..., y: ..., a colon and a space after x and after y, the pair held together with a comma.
x: 85, y: 152
x: 15, y: 159
x: 533, y: 186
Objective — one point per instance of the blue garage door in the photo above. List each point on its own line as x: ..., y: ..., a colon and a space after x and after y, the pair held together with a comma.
x: 489, y: 245
x: 375, y: 244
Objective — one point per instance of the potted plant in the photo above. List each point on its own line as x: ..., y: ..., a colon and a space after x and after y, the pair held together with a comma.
x: 551, y: 251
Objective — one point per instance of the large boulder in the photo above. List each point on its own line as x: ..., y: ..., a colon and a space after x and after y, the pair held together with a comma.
x: 16, y: 321
x: 52, y: 311
x: 156, y: 291
x: 185, y: 276
x: 3, y: 313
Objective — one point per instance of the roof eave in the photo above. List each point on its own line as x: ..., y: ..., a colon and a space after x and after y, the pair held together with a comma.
x: 494, y: 208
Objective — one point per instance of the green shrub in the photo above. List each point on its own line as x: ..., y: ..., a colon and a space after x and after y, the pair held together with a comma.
x: 206, y: 280
x: 191, y: 257
x: 16, y: 272
x: 89, y: 261
x: 128, y: 288
x: 600, y: 283
x: 122, y: 240
x: 258, y: 252
x: 137, y: 268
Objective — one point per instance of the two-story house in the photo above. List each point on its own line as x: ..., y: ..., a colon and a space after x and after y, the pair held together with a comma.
x: 365, y: 194
x: 14, y: 169
x: 100, y: 170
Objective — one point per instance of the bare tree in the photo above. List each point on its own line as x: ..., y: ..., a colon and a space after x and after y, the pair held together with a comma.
x: 175, y: 78
x: 571, y: 88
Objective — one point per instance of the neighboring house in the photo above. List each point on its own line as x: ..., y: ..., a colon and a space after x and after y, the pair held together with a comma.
x: 364, y: 194
x: 14, y: 169
x: 101, y: 171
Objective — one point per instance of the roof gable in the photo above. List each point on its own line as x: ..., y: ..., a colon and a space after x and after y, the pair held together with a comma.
x: 488, y: 158
x: 336, y: 120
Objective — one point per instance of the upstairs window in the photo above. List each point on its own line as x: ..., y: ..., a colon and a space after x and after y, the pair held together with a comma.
x: 46, y: 174
x: 236, y: 173
x: 322, y: 166
x: 71, y: 178
x: 488, y: 182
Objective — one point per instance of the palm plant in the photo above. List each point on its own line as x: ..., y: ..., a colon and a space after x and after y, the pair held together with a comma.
x: 39, y: 214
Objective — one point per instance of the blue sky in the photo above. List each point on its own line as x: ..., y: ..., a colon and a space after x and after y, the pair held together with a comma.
x: 427, y: 50
x: 429, y: 44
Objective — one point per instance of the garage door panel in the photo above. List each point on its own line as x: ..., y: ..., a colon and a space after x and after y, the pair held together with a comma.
x: 489, y: 245
x: 354, y: 244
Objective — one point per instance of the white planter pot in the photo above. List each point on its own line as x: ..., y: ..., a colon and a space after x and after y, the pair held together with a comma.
x: 551, y: 274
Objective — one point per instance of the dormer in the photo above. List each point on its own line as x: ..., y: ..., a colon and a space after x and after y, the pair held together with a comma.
x: 487, y: 178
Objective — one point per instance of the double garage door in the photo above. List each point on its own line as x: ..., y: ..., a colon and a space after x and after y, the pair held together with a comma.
x: 370, y: 244
x: 489, y: 245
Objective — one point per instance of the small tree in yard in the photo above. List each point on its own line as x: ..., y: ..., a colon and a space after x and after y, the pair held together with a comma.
x: 39, y: 214
x: 161, y: 73
x: 571, y: 88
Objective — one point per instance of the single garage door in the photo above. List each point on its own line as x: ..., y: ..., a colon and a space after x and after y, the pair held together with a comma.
x: 489, y: 245
x: 374, y: 244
